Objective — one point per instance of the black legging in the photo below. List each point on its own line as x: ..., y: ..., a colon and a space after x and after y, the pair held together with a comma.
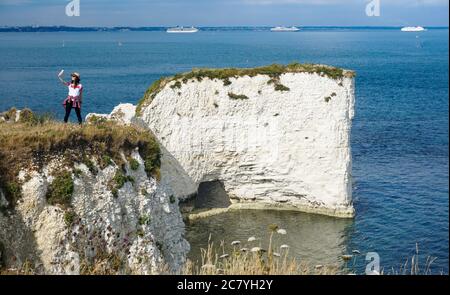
x: 69, y: 109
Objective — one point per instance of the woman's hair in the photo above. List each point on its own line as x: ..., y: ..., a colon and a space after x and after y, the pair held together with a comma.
x: 77, y: 80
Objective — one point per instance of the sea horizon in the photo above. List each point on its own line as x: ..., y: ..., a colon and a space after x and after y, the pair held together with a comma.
x: 65, y: 28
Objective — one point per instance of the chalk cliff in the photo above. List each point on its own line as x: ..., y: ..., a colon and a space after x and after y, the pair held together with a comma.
x: 85, y: 201
x: 276, y: 137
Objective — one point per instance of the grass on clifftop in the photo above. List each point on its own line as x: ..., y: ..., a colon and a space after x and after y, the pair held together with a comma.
x: 273, y: 71
x: 31, y: 143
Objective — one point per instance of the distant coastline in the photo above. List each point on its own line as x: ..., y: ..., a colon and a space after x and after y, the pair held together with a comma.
x: 27, y: 29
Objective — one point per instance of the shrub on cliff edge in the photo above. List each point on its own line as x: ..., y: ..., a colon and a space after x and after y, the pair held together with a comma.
x: 61, y: 189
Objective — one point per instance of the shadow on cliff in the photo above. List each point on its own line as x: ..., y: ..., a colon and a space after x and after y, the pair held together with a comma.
x: 205, y: 195
x: 173, y: 174
x: 212, y: 194
x: 18, y: 243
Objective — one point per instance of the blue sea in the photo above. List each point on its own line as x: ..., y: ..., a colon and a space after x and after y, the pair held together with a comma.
x: 399, y: 138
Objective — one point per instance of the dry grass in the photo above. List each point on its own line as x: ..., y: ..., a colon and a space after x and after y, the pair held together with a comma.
x: 27, y: 269
x: 106, y: 264
x: 253, y: 260
x: 413, y: 266
x: 252, y: 263
x: 248, y: 259
x: 215, y: 261
x: 274, y: 71
x: 31, y: 144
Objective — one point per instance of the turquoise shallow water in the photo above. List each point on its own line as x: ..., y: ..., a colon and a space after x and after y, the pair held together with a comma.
x: 399, y: 139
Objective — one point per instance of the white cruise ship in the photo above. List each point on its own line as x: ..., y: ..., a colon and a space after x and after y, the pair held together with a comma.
x: 182, y: 30
x: 285, y: 29
x: 413, y: 29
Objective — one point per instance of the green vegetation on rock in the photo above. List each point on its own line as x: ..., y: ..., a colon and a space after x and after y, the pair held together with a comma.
x: 90, y: 164
x: 328, y: 98
x: 97, y: 119
x: 69, y: 217
x: 12, y: 191
x: 10, y: 114
x: 152, y: 159
x: 61, y: 189
x: 172, y: 199
x: 77, y: 172
x: 134, y: 164
x: 151, y: 93
x: 105, y: 161
x: 118, y: 181
x: 144, y: 220
x: 26, y: 116
x: 280, y: 87
x: 176, y: 85
x: 237, y: 96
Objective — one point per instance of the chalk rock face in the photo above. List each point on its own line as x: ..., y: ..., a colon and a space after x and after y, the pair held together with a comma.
x: 281, y: 146
x: 123, y: 114
x: 136, y: 230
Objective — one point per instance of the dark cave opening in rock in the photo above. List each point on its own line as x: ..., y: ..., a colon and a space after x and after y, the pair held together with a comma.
x: 212, y: 194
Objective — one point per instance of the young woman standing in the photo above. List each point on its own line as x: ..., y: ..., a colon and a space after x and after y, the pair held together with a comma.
x: 74, y: 98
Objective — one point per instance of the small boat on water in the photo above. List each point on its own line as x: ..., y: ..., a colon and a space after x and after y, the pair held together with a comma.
x: 179, y: 30
x: 413, y: 29
x: 285, y: 29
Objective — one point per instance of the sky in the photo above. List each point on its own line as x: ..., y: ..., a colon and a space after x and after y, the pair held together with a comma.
x: 225, y: 13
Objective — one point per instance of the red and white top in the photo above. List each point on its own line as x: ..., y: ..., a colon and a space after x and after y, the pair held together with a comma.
x: 75, y: 91
x: 75, y: 95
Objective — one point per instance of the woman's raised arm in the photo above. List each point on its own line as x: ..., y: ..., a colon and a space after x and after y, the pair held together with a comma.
x: 61, y: 79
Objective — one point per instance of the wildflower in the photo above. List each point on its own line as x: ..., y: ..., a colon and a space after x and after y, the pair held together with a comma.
x: 273, y: 227
x: 244, y: 250
x: 357, y: 252
x: 251, y: 239
x: 224, y: 256
x: 282, y: 231
x: 284, y: 247
x: 235, y: 243
x: 319, y: 266
x: 256, y: 249
x: 347, y: 257
x: 276, y: 254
